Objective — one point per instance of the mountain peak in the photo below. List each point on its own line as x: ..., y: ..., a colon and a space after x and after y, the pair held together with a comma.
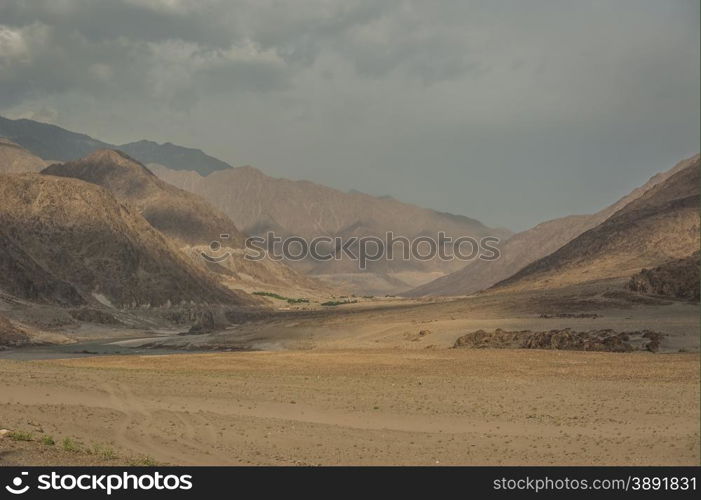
x: 110, y: 156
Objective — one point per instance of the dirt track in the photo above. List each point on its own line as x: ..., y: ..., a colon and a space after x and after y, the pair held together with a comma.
x: 365, y: 407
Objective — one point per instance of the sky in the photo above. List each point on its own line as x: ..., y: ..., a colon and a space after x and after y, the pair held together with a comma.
x: 509, y: 111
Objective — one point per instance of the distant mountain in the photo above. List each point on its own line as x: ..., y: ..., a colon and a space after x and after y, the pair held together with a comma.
x: 15, y: 159
x: 183, y: 216
x: 53, y: 143
x: 65, y: 241
x: 528, y: 246
x: 258, y: 203
x: 175, y: 157
x: 657, y: 227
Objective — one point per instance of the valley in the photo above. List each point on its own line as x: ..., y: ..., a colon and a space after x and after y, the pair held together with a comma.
x: 127, y: 336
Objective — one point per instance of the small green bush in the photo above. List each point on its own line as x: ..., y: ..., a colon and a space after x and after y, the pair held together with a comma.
x: 20, y: 436
x: 70, y: 445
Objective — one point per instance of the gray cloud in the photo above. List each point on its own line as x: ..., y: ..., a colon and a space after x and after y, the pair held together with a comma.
x: 509, y: 111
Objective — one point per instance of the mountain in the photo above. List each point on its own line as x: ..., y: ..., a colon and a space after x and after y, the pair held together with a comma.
x: 53, y: 143
x: 65, y: 241
x: 175, y: 157
x: 182, y: 216
x: 15, y: 159
x: 528, y: 246
x: 657, y: 227
x: 258, y: 203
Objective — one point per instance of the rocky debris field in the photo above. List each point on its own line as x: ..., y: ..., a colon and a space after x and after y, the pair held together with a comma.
x: 566, y: 339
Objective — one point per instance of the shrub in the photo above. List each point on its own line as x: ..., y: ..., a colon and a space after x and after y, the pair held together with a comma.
x: 70, y: 445
x: 20, y: 436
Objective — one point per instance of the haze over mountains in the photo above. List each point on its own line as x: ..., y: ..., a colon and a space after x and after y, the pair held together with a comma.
x: 191, y: 199
x: 257, y: 203
x: 658, y: 226
x: 53, y: 143
x: 528, y: 246
x: 185, y: 218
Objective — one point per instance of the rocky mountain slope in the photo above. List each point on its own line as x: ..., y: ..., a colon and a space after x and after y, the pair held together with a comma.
x: 176, y: 213
x: 678, y: 279
x: 660, y: 225
x: 185, y: 217
x: 528, y: 246
x: 65, y: 241
x: 258, y: 203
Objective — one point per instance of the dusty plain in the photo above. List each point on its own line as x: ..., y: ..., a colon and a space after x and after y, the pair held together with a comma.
x: 361, y: 385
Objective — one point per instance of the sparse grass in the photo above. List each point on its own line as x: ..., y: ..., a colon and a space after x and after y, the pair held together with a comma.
x: 144, y: 461
x: 102, y: 451
x: 280, y: 297
x: 338, y: 302
x: 69, y: 444
x: 21, y: 436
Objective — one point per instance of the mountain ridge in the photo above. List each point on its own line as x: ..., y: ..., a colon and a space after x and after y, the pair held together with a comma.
x: 660, y: 225
x: 57, y: 144
x: 86, y: 247
x: 537, y: 242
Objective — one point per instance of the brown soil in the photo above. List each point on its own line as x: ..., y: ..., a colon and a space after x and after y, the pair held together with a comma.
x: 455, y: 406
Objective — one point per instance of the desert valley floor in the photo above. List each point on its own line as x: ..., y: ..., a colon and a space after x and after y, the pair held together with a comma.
x: 364, y: 386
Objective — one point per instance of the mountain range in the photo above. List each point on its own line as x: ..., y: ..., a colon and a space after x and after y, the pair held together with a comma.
x: 256, y: 203
x: 185, y: 218
x: 182, y: 199
x: 52, y: 143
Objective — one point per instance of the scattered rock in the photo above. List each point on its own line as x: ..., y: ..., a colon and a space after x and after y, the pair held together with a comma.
x: 566, y: 339
x: 678, y: 279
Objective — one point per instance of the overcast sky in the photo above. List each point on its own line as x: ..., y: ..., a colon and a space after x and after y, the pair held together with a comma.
x: 512, y: 112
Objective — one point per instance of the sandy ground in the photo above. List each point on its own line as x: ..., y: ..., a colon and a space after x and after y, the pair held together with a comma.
x: 399, y: 327
x: 385, y: 406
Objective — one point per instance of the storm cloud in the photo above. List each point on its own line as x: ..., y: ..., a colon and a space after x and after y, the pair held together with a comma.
x: 512, y: 112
